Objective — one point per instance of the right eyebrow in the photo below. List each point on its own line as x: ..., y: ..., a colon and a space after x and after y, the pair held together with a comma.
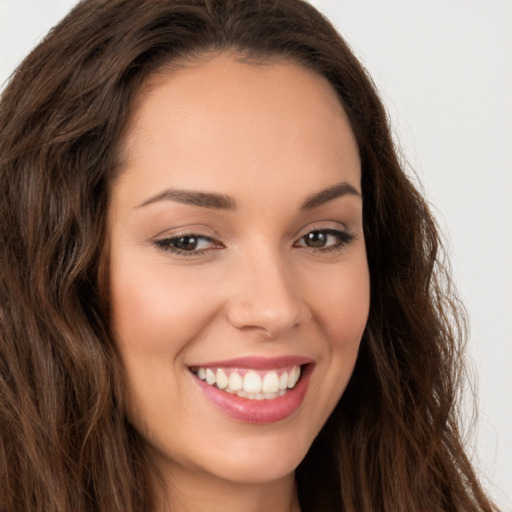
x: 202, y: 199
x: 329, y: 194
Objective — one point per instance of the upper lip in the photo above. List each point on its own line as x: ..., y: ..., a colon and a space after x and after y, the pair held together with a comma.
x: 257, y: 362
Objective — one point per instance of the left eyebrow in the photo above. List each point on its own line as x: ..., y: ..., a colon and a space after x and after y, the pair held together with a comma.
x: 329, y: 194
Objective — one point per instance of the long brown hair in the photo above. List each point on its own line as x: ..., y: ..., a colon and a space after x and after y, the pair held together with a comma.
x: 392, y: 443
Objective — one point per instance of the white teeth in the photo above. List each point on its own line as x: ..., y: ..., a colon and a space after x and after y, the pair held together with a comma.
x: 252, y: 385
x: 283, y: 381
x: 222, y: 380
x: 235, y: 382
x: 252, y: 382
x: 270, y: 383
x: 293, y: 377
x: 210, y: 377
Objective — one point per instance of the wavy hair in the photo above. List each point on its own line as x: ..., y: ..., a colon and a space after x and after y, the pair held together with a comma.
x: 392, y: 443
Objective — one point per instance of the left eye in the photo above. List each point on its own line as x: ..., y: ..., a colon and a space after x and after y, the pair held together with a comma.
x: 186, y: 243
x: 324, y: 239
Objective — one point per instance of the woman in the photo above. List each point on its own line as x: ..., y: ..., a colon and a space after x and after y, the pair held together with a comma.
x: 219, y: 288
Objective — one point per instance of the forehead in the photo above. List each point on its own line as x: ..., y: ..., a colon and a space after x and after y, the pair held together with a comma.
x: 223, y: 118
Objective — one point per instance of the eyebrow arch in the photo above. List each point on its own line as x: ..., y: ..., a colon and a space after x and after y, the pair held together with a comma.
x: 329, y: 194
x: 203, y: 199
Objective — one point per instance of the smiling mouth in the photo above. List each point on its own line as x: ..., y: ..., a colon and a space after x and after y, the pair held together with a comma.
x: 251, y: 383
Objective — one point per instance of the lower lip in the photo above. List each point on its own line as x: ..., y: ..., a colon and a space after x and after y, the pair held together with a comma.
x: 258, y: 411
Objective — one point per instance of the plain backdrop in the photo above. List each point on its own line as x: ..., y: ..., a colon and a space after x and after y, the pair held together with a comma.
x: 444, y: 69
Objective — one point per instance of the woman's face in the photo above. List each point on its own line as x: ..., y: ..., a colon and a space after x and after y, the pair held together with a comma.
x: 237, y: 259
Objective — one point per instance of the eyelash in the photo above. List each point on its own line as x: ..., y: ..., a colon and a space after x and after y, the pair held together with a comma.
x: 170, y: 244
x: 343, y: 237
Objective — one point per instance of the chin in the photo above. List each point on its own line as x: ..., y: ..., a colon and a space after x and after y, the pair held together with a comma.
x: 244, y: 457
x: 267, y: 457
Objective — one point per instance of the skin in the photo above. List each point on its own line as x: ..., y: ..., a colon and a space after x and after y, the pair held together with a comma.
x: 268, y: 136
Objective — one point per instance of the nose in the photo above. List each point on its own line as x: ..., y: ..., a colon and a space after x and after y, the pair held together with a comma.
x: 266, y: 295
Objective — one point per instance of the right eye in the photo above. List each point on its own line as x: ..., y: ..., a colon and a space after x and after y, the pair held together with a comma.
x: 325, y: 240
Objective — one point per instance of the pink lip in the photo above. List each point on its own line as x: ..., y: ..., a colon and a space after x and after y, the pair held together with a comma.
x: 257, y: 363
x: 258, y: 411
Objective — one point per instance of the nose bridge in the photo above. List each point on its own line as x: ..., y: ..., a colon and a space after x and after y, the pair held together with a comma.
x: 265, y: 295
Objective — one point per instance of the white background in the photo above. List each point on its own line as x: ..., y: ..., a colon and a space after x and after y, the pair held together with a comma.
x: 444, y: 69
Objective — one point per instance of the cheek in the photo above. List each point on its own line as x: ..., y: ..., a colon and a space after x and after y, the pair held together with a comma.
x: 157, y: 312
x: 341, y: 304
x: 341, y: 310
x: 153, y: 304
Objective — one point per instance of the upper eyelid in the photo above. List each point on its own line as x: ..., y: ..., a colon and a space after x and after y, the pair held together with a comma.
x: 321, y: 225
x: 213, y: 236
x: 333, y: 229
x: 185, y: 229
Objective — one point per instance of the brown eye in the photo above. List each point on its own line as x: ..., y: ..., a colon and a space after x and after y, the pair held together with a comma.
x: 325, y: 239
x: 316, y: 239
x: 186, y: 243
